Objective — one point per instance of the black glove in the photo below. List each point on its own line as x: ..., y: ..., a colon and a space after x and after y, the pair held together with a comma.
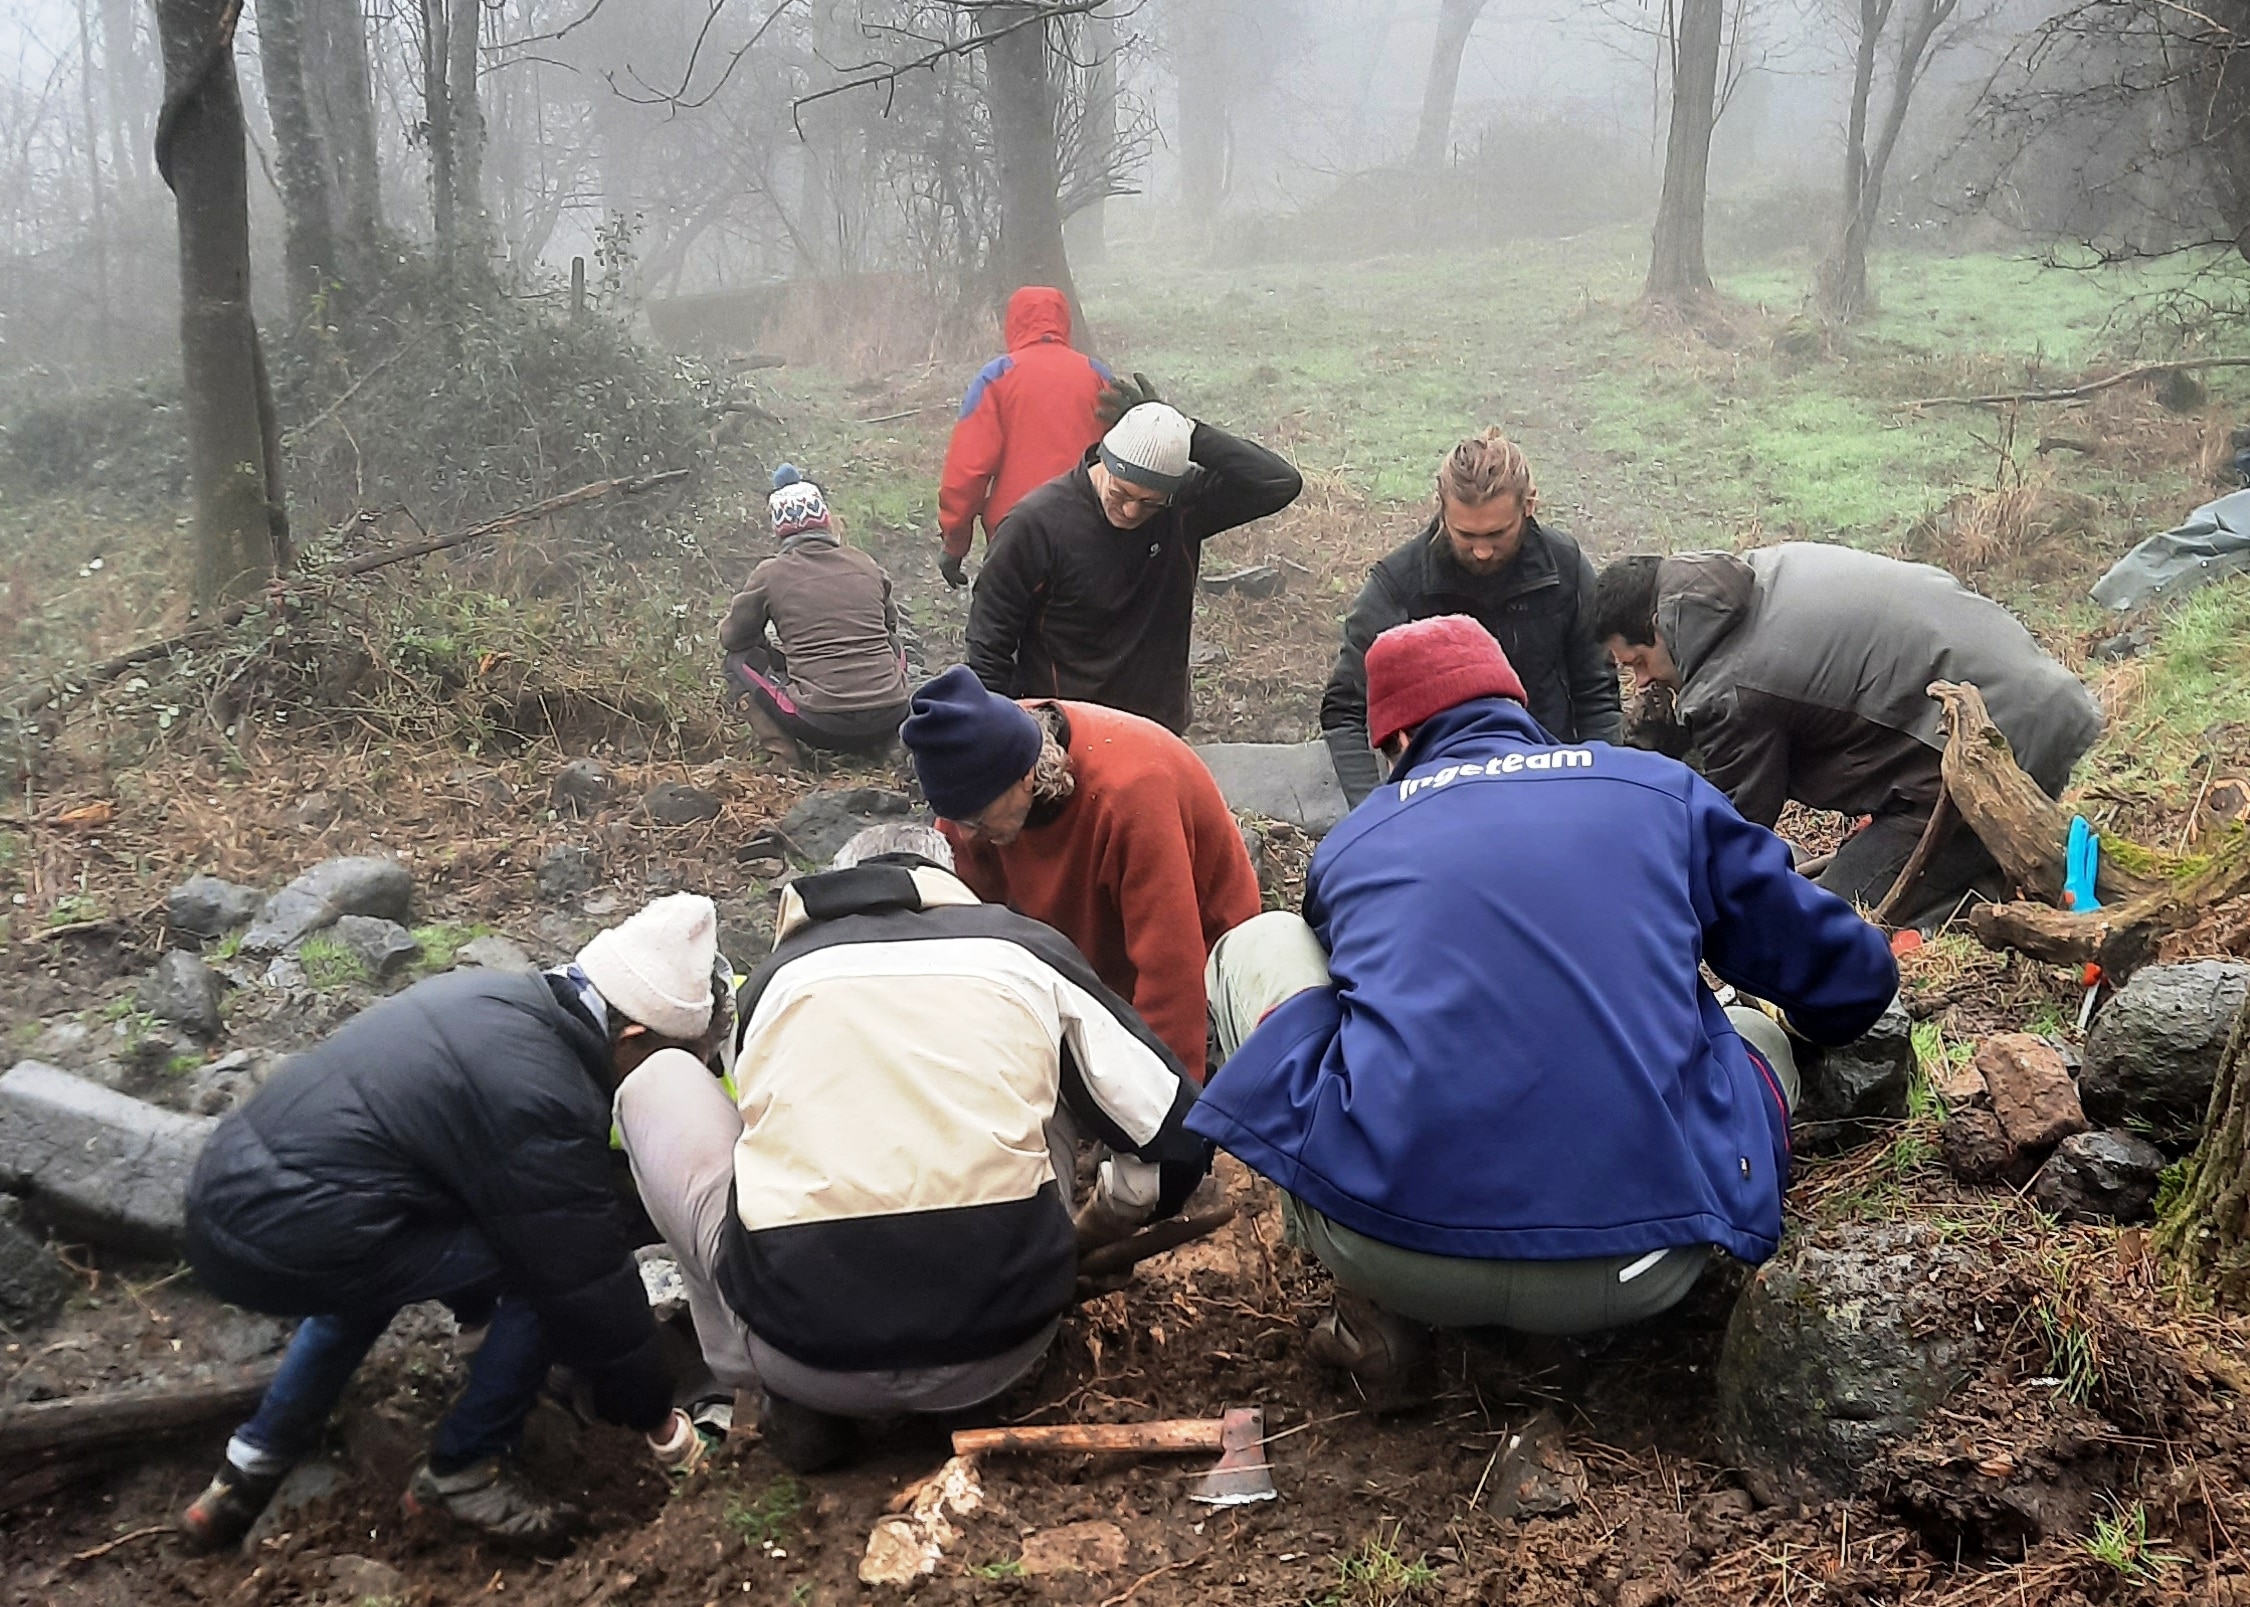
x: 950, y: 567
x: 1119, y: 397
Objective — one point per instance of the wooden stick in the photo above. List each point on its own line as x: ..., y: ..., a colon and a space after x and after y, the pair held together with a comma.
x: 1935, y: 834
x: 81, y: 1424
x: 234, y: 614
x: 1176, y: 1434
x: 2075, y: 392
x: 1152, y: 1241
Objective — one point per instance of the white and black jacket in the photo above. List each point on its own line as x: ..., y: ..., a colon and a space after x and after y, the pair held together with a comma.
x: 898, y: 1059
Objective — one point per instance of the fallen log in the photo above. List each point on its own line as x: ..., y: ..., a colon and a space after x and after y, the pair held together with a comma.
x: 2027, y: 831
x: 95, y: 1424
x: 2120, y: 937
x: 2073, y: 393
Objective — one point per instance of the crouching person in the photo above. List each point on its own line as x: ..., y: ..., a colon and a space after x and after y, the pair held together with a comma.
x: 884, y: 1225
x: 452, y: 1144
x: 1484, y: 1067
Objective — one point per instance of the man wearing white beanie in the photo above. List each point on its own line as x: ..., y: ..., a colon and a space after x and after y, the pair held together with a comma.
x: 452, y: 1144
x: 1088, y: 591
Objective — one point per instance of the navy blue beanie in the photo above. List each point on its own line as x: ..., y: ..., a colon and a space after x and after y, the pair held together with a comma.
x: 969, y: 745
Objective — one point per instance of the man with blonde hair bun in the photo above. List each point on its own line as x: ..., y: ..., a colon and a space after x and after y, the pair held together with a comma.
x: 1485, y: 554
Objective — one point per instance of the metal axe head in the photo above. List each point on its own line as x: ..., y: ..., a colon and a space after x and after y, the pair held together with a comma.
x: 1242, y: 1474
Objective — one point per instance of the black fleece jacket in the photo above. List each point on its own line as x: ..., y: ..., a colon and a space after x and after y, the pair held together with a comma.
x: 1540, y: 609
x: 1069, y: 606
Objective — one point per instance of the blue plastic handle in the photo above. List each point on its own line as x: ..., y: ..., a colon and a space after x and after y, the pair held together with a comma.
x: 2081, y: 867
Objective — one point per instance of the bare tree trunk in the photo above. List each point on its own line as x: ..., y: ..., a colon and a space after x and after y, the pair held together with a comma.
x: 1676, y: 265
x: 2208, y: 1231
x: 308, y: 245
x: 1842, y: 283
x: 95, y: 188
x: 125, y: 91
x: 437, y: 117
x: 1456, y: 18
x: 466, y: 120
x: 1021, y: 104
x: 241, y: 525
x: 342, y: 96
x: 1201, y: 58
x: 1083, y: 230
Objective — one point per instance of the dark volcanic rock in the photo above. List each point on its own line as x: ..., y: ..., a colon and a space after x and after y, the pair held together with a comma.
x: 580, y: 787
x: 565, y: 871
x: 825, y: 821
x: 1839, y: 1349
x: 1292, y: 781
x: 1848, y: 1092
x: 384, y: 947
x: 367, y: 885
x: 2154, y: 1051
x: 33, y: 1285
x: 184, y: 991
x: 2100, y: 1177
x: 205, y: 906
x: 678, y: 804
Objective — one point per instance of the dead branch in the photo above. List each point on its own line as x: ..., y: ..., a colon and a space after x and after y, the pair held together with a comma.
x: 1153, y: 1241
x: 109, y: 669
x: 2026, y: 831
x: 2076, y: 392
x: 1935, y: 835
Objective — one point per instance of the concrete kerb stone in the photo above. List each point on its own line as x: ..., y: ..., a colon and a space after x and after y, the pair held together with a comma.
x: 97, y: 1163
x: 1292, y: 781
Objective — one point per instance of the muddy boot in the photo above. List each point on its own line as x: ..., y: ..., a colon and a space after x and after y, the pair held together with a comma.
x: 492, y: 1498
x: 228, y: 1506
x: 803, y: 1440
x: 778, y: 743
x: 1384, y: 1355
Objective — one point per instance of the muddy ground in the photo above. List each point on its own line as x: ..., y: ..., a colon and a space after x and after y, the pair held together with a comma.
x: 1995, y: 1501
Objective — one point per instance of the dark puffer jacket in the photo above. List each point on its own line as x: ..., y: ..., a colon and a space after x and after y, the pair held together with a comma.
x: 1069, y: 606
x: 474, y: 1100
x: 1540, y: 609
x: 1804, y: 673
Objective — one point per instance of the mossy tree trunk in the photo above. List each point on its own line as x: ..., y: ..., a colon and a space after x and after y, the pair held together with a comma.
x: 2207, y: 1232
x: 241, y: 524
x: 1676, y: 265
x: 308, y: 243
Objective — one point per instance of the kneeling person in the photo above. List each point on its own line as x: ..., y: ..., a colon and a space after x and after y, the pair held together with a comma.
x: 452, y: 1144
x: 1488, y: 1072
x: 884, y: 1226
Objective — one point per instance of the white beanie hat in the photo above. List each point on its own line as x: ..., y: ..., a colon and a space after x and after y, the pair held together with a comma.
x: 1149, y: 446
x: 655, y: 967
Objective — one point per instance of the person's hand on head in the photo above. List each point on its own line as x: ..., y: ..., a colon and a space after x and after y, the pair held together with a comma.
x: 1120, y: 396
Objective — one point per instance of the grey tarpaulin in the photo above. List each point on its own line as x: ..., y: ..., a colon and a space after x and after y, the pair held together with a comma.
x: 2212, y: 544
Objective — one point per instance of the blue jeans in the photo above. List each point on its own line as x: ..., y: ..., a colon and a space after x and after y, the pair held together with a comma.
x: 505, y: 1374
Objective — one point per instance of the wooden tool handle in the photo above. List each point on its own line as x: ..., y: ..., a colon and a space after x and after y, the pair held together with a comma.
x: 1177, y: 1434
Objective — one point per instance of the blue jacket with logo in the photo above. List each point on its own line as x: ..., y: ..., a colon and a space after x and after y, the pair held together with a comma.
x: 1518, y: 1059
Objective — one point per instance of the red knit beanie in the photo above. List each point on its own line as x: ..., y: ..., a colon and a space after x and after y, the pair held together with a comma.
x: 1425, y: 668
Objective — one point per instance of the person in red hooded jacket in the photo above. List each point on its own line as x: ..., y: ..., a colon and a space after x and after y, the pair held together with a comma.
x: 1028, y: 417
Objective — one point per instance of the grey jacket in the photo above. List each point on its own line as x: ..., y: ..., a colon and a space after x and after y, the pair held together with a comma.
x: 1540, y: 609
x: 1804, y: 671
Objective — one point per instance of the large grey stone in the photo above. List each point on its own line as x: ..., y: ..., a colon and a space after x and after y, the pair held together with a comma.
x: 1839, y: 1349
x: 825, y: 821
x: 384, y: 947
x: 494, y: 953
x: 2154, y: 1051
x: 184, y: 991
x: 96, y: 1162
x: 205, y: 906
x: 33, y: 1285
x: 365, y: 885
x: 1292, y: 781
x: 1849, y: 1092
x: 580, y: 787
x: 2100, y: 1177
x: 675, y: 803
x: 565, y: 871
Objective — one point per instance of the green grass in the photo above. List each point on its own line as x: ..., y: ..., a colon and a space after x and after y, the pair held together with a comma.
x: 2197, y: 676
x: 2120, y: 1542
x: 769, y: 1517
x: 227, y: 947
x: 328, y: 964
x: 999, y: 1568
x: 1378, y: 1574
x: 442, y: 941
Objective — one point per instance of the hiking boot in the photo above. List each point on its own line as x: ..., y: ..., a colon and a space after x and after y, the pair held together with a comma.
x: 228, y: 1506
x: 492, y: 1498
x: 1386, y: 1356
x: 803, y: 1440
